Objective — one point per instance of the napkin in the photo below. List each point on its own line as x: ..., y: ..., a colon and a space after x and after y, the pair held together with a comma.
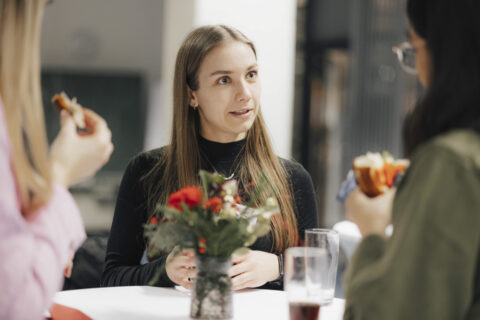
x: 348, y: 185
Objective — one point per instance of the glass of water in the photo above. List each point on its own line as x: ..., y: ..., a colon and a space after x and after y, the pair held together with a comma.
x: 328, y: 240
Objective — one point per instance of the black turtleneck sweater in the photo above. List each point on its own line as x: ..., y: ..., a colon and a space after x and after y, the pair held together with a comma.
x: 126, y: 245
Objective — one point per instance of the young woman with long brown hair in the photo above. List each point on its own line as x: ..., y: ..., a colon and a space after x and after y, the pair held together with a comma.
x: 40, y: 225
x: 217, y: 126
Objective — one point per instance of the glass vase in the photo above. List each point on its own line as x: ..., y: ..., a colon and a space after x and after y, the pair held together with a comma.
x: 211, y: 292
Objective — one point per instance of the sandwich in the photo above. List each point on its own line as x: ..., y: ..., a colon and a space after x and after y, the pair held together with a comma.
x: 62, y: 102
x: 375, y: 173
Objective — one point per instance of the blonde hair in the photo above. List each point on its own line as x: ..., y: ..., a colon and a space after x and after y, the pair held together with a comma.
x: 180, y: 165
x: 20, y: 22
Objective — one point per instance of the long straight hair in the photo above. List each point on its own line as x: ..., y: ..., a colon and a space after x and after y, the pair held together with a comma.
x: 20, y: 22
x: 180, y: 165
x: 451, y: 30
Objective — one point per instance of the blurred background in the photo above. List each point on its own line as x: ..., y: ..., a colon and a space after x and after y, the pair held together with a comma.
x: 332, y: 89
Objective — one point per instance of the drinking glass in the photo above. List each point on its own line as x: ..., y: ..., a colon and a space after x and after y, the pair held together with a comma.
x: 303, y: 275
x: 328, y: 240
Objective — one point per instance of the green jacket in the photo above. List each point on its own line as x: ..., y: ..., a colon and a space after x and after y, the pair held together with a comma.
x: 429, y: 268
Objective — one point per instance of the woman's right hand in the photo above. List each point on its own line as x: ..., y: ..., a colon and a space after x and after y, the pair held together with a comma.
x: 180, y: 267
x: 371, y: 215
x: 76, y: 156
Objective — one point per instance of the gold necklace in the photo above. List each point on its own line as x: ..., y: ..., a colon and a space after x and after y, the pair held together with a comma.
x: 215, y: 169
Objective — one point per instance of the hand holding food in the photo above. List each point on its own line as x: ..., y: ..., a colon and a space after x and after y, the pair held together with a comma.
x: 371, y: 215
x: 77, y: 155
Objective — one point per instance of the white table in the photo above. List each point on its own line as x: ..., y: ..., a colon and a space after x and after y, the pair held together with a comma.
x: 143, y: 302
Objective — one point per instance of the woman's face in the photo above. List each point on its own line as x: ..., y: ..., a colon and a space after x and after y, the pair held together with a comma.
x: 422, y: 57
x: 228, y: 93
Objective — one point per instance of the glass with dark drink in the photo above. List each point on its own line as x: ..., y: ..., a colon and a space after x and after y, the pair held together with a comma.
x: 304, y: 270
x: 304, y: 310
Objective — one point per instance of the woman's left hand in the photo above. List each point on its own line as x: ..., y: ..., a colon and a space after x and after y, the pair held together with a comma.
x: 253, y: 269
x: 371, y: 215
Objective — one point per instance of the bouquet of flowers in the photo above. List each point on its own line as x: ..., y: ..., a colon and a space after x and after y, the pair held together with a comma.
x: 214, y: 222
x: 211, y: 219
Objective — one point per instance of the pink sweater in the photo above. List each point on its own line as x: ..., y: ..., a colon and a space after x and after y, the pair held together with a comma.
x: 33, y: 252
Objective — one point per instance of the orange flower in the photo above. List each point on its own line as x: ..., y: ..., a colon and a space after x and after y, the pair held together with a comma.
x: 238, y: 199
x: 214, y: 203
x: 191, y: 196
x: 154, y: 220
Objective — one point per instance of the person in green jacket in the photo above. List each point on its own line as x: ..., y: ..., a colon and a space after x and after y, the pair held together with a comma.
x: 429, y: 268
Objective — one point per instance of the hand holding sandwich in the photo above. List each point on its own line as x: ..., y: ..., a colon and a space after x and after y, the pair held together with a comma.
x: 371, y: 189
x: 79, y: 155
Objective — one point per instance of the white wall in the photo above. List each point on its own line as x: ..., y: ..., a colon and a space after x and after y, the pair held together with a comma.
x: 177, y: 23
x: 270, y: 24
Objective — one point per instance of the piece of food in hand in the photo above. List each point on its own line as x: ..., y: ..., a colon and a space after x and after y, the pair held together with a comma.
x: 62, y: 102
x: 375, y: 173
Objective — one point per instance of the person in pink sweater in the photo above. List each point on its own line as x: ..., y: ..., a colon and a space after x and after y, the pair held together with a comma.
x: 40, y: 225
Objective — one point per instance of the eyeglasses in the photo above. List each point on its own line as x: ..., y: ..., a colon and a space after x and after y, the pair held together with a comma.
x: 406, y: 55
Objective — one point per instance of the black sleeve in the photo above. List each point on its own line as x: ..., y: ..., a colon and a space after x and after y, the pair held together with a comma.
x: 305, y: 199
x: 126, y: 243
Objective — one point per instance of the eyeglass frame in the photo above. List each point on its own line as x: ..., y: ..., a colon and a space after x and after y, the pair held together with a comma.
x: 399, y: 51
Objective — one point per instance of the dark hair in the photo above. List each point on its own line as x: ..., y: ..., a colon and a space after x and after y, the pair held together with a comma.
x: 451, y: 30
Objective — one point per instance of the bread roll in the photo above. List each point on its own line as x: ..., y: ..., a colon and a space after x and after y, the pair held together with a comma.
x: 62, y: 102
x: 376, y: 173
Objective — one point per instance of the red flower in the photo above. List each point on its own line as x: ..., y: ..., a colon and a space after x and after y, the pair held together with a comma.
x: 153, y: 220
x: 191, y: 196
x: 238, y: 199
x: 202, y: 245
x: 215, y: 204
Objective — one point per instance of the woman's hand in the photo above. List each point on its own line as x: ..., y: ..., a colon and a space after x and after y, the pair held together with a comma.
x: 253, y: 269
x: 372, y: 215
x: 180, y: 267
x: 76, y: 156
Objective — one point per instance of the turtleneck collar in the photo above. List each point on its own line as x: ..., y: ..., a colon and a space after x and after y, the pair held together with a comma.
x: 218, y: 150
x: 220, y: 155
